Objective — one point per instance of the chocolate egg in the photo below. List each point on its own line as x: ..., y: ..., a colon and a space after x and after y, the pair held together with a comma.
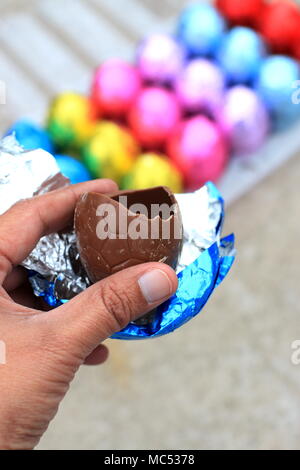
x: 126, y: 228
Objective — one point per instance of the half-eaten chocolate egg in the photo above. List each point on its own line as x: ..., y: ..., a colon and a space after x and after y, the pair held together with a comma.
x: 126, y: 228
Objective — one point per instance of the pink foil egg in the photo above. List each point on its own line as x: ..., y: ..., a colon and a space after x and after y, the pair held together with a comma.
x: 154, y: 116
x: 200, y: 86
x: 199, y: 150
x: 115, y: 86
x: 160, y: 58
x: 244, y: 120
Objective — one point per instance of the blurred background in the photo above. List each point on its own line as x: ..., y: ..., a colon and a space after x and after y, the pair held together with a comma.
x: 226, y: 380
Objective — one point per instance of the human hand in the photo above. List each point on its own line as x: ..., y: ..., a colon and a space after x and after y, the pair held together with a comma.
x: 45, y: 349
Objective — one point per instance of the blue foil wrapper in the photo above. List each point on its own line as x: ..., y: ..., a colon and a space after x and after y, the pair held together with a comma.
x: 197, y: 280
x: 54, y: 267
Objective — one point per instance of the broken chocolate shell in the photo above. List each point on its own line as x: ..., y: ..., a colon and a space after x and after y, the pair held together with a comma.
x: 126, y: 228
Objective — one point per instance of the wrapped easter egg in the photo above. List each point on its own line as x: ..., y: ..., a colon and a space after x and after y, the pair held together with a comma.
x: 201, y: 28
x: 110, y: 152
x: 160, y: 58
x: 244, y: 119
x: 277, y: 77
x: 279, y: 24
x: 30, y: 136
x: 152, y: 169
x: 200, y: 86
x: 69, y: 121
x: 198, y: 149
x: 241, y: 12
x: 153, y: 116
x: 115, y: 86
x: 240, y: 55
x: 72, y: 169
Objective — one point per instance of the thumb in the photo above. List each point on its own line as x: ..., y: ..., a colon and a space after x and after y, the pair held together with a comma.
x: 109, y: 305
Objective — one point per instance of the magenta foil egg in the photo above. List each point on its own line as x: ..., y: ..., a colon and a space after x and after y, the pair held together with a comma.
x: 198, y: 149
x: 160, y: 58
x: 200, y: 86
x: 115, y: 86
x: 244, y: 120
x: 153, y: 116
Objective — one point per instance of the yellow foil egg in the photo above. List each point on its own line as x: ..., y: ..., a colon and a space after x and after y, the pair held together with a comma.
x: 152, y: 169
x: 110, y: 152
x: 70, y: 123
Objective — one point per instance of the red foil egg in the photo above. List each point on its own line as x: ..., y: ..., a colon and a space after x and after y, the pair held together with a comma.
x: 279, y: 24
x: 153, y: 116
x: 241, y: 12
x: 296, y: 49
x: 199, y: 150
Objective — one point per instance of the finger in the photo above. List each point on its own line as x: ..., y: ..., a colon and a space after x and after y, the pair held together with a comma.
x: 26, y: 222
x: 109, y: 305
x: 98, y: 356
x: 15, y: 279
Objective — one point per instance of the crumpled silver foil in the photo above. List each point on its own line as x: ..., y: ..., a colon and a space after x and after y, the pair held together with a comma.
x: 55, y: 259
x: 55, y: 263
x: 200, y: 228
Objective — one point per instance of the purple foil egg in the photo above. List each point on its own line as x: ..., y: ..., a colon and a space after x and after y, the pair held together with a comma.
x: 160, y: 58
x: 244, y: 120
x: 200, y: 86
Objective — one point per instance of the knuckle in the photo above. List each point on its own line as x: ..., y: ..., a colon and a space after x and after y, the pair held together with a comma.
x: 118, y: 304
x: 23, y: 206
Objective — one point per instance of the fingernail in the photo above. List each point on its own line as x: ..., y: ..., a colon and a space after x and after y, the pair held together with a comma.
x: 155, y: 286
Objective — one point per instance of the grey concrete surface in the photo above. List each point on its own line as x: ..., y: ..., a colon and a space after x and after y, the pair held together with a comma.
x: 225, y: 380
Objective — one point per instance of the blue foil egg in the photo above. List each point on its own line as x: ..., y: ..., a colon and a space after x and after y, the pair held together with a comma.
x: 200, y: 29
x: 278, y: 85
x: 72, y: 169
x: 240, y: 55
x: 31, y: 136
